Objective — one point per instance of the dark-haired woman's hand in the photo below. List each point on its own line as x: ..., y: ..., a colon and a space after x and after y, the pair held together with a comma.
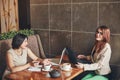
x: 34, y: 63
x: 81, y: 57
x: 46, y: 61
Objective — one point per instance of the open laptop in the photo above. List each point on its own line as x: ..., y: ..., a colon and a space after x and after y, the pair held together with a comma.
x: 73, y: 59
x: 58, y: 61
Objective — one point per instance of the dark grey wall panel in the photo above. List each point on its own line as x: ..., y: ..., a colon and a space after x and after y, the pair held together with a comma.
x: 39, y: 17
x: 109, y: 14
x: 38, y: 1
x: 60, y: 17
x: 72, y: 23
x: 84, y: 17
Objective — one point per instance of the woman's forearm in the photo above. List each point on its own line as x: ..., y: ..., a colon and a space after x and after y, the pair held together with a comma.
x: 19, y: 68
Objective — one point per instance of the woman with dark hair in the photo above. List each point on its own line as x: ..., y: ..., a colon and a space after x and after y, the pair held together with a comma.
x: 100, y: 56
x: 16, y: 57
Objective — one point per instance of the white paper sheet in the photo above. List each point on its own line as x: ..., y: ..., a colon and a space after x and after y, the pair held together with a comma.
x: 38, y: 68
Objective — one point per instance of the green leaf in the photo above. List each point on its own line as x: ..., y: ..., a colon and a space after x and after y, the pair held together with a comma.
x: 11, y: 34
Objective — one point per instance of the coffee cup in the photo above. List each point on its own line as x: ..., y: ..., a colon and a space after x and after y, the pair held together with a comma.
x: 66, y: 66
x: 47, y: 67
x: 67, y: 73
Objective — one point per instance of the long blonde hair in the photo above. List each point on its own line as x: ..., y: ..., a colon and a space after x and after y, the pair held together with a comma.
x: 99, y: 45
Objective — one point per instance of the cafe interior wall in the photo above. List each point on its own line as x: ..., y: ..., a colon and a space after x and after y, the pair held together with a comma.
x: 72, y: 23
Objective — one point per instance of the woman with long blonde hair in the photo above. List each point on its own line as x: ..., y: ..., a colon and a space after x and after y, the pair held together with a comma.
x: 100, y: 56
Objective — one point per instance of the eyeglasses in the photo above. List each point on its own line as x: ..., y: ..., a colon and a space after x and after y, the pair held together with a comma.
x: 97, y: 32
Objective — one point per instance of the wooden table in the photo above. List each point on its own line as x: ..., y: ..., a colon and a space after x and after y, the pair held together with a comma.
x: 42, y: 75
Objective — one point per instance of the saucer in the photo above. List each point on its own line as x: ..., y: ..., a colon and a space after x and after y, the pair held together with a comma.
x: 34, y: 69
x: 46, y: 70
x: 66, y: 69
x: 40, y: 66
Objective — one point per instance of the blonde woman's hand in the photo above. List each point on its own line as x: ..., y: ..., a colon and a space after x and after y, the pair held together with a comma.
x: 79, y: 65
x: 81, y: 57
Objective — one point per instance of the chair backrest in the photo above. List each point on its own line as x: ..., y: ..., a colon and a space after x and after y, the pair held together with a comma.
x: 4, y: 46
x: 115, y: 72
x: 34, y: 43
x: 41, y: 50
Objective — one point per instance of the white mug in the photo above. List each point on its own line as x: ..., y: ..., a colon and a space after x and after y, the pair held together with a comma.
x: 66, y: 66
x: 67, y: 73
x: 47, y: 67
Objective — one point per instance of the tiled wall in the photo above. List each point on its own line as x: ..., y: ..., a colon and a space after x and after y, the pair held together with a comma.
x: 72, y: 23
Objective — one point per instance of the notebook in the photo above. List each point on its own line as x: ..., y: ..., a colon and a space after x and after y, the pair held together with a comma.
x: 58, y: 61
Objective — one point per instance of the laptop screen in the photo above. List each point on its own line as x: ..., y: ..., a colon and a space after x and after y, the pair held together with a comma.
x: 71, y: 56
x: 62, y: 55
x: 58, y: 62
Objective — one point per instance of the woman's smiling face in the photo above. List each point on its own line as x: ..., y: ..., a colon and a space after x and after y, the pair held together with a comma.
x: 99, y: 35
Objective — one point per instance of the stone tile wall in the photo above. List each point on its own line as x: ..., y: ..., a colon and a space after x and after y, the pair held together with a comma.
x: 72, y: 23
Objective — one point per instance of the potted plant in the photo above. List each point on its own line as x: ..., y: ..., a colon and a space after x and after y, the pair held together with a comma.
x: 11, y: 34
